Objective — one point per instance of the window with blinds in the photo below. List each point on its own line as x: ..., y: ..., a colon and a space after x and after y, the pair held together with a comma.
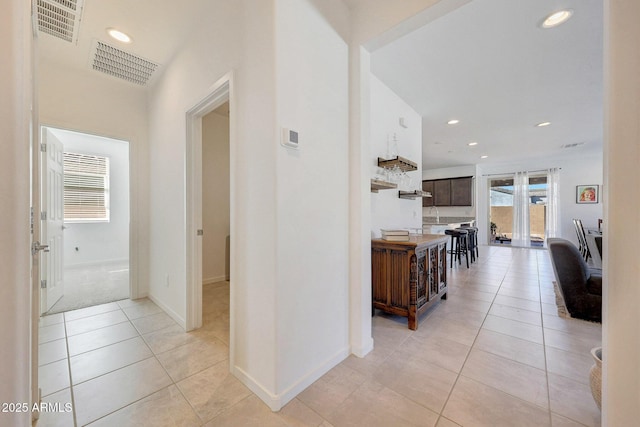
x: 86, y: 187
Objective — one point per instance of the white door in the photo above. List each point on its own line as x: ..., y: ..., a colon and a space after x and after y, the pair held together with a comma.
x: 51, y: 267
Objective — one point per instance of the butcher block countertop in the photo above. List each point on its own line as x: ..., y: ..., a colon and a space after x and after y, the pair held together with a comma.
x: 414, y: 240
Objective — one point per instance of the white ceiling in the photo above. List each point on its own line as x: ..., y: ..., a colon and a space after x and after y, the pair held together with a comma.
x: 487, y: 64
x: 491, y: 66
x: 158, y: 29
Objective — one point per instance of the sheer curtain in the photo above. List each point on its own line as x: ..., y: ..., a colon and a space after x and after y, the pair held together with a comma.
x: 521, y: 233
x: 553, y: 205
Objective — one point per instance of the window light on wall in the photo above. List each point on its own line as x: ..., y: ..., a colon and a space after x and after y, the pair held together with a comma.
x: 86, y: 188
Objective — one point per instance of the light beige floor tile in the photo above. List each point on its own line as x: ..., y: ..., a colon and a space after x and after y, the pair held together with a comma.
x: 437, y: 327
x: 374, y: 405
x: 550, y: 309
x: 532, y: 294
x: 482, y: 288
x: 107, y: 359
x: 570, y: 342
x: 250, y: 412
x: 518, y: 303
x: 191, y: 358
x: 560, y: 421
x: 330, y: 391
x: 573, y: 326
x: 103, y: 395
x: 439, y: 352
x: 62, y: 416
x: 548, y: 298
x: 369, y: 364
x: 408, y: 375
x: 51, y: 319
x: 514, y: 313
x: 164, y: 408
x: 470, y: 319
x: 51, y: 333
x: 573, y: 400
x: 213, y: 391
x: 297, y: 414
x: 141, y: 308
x: 513, y: 348
x: 101, y: 337
x: 456, y: 304
x: 514, y: 328
x: 168, y: 338
x: 477, y: 295
x: 474, y: 404
x: 53, y: 377
x: 129, y: 302
x: 217, y: 326
x: 90, y: 311
x: 153, y: 323
x: 445, y: 422
x: 97, y: 321
x: 52, y: 351
x: 571, y: 365
x: 519, y: 380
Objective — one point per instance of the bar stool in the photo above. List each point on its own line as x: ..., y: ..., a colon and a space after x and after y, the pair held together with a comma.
x: 473, y: 242
x: 459, y: 245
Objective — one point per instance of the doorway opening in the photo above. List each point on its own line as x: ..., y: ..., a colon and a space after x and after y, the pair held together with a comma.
x: 216, y: 222
x: 502, y: 207
x: 86, y: 206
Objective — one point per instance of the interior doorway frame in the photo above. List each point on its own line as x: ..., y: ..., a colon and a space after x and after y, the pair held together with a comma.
x: 219, y: 93
x: 134, y: 262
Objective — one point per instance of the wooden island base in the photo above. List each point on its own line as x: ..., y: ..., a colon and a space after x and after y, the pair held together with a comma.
x: 408, y: 277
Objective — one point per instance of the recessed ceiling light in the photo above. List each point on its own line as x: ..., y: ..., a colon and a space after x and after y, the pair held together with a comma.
x: 543, y: 124
x: 556, y: 18
x: 483, y: 157
x: 453, y: 122
x: 119, y: 35
x: 471, y: 144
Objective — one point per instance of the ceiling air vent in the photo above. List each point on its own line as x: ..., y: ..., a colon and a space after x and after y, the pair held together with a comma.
x: 123, y: 65
x: 577, y: 144
x: 60, y: 18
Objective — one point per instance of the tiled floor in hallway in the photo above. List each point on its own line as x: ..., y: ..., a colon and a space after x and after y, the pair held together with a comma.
x: 494, y: 354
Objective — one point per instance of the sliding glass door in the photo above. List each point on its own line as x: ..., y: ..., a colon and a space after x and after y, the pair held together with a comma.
x: 506, y: 213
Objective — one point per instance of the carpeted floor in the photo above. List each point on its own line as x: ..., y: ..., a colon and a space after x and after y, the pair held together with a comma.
x: 85, y: 287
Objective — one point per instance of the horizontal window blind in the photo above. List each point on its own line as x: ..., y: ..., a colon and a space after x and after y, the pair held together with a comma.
x: 86, y: 187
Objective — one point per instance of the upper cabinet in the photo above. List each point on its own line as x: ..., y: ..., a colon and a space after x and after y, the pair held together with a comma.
x: 449, y: 192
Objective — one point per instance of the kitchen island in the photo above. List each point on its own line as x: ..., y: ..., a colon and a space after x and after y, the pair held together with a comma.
x: 408, y: 277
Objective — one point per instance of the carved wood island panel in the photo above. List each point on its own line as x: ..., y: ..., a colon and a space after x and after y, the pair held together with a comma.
x: 408, y: 277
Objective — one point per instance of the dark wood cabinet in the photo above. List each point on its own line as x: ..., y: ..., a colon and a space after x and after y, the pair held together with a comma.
x: 449, y: 192
x: 442, y: 192
x: 428, y: 187
x: 461, y: 191
x: 408, y: 277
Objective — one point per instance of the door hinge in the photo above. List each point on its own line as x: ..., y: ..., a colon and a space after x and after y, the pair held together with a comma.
x: 43, y: 215
x: 43, y: 147
x: 43, y: 283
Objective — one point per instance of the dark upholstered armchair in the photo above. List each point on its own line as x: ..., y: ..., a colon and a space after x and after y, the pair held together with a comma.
x: 581, y: 287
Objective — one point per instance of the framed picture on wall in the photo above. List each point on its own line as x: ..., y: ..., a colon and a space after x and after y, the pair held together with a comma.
x: 587, y: 194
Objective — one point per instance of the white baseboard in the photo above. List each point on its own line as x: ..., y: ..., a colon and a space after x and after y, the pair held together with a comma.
x: 362, y: 350
x: 215, y: 279
x: 277, y: 401
x: 179, y: 320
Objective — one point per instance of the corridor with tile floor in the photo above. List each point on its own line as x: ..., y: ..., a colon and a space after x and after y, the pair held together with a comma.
x: 495, y: 353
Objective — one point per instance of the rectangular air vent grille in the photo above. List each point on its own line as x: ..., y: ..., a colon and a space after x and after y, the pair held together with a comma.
x: 59, y: 18
x: 118, y: 63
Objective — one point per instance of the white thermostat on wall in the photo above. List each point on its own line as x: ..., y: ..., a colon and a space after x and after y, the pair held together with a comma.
x: 289, y: 138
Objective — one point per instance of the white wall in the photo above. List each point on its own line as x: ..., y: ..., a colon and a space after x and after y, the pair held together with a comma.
x: 215, y: 197
x: 621, y: 290
x: 453, y: 172
x: 232, y: 36
x: 387, y: 209
x: 15, y: 259
x: 312, y: 193
x: 100, y: 242
x: 578, y: 170
x: 117, y: 110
